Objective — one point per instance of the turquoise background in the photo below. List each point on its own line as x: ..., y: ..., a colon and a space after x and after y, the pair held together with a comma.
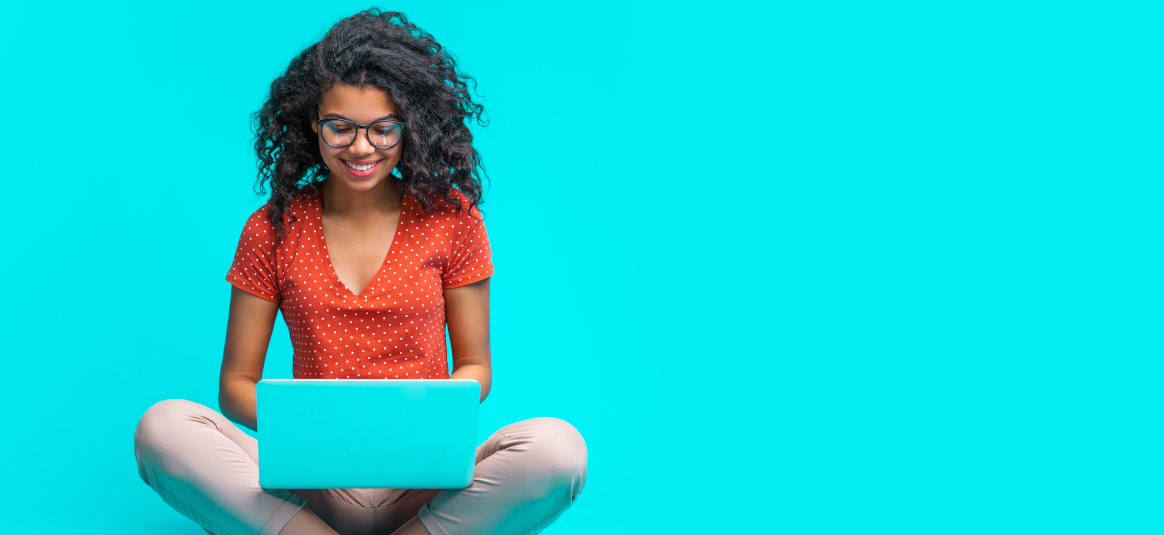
x: 815, y: 267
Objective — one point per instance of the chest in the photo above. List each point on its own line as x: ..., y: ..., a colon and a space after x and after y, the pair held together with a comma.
x: 357, y: 251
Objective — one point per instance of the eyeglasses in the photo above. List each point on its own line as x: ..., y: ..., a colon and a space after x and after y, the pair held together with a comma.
x: 340, y: 133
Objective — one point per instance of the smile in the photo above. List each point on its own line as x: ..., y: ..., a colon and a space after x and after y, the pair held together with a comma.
x: 361, y: 167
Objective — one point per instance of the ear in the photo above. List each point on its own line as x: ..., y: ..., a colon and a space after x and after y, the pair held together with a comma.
x: 315, y: 127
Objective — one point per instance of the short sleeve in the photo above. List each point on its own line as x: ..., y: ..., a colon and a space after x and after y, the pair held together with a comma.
x: 471, y: 260
x: 254, y: 265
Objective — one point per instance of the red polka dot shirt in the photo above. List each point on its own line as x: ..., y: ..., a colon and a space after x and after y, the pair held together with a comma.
x: 396, y: 327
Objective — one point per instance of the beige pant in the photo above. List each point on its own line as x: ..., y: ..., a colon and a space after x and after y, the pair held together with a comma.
x: 528, y: 473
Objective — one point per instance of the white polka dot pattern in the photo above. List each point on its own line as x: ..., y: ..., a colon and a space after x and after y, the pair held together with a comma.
x: 396, y: 327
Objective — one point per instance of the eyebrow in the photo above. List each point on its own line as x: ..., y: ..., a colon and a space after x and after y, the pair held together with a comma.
x: 389, y: 117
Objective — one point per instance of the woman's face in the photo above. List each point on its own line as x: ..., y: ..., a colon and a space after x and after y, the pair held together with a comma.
x: 363, y: 107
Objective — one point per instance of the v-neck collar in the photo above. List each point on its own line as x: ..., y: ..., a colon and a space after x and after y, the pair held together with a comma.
x: 317, y: 208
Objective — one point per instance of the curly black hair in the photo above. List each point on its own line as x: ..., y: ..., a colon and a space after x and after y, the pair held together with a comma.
x: 380, y: 49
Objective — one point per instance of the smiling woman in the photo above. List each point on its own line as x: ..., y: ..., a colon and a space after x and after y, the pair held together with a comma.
x: 371, y: 245
x: 394, y: 71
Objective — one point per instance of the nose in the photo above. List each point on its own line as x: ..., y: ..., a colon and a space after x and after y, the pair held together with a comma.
x: 361, y: 146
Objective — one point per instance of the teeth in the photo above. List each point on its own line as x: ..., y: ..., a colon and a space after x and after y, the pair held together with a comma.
x: 361, y: 167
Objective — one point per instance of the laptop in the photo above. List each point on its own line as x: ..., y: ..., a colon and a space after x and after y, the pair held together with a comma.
x: 367, y: 433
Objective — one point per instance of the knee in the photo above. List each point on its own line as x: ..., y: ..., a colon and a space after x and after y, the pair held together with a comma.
x: 162, y: 415
x: 157, y: 429
x: 560, y: 453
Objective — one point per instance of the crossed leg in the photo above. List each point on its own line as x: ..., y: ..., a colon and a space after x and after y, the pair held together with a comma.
x: 527, y: 474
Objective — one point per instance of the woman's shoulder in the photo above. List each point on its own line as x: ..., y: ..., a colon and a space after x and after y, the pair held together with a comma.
x: 444, y: 209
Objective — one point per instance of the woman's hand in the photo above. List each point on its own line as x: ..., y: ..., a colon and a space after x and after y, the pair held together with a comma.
x: 248, y: 332
x: 467, y: 313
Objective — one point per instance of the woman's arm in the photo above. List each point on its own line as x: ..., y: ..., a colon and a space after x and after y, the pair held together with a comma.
x: 467, y: 313
x: 248, y: 332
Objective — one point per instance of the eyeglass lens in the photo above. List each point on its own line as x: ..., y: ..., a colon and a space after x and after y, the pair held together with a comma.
x: 382, y: 135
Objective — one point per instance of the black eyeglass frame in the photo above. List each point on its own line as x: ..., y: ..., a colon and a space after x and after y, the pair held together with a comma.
x: 367, y: 132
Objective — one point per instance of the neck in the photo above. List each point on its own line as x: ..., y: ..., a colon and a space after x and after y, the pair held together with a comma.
x: 341, y: 200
